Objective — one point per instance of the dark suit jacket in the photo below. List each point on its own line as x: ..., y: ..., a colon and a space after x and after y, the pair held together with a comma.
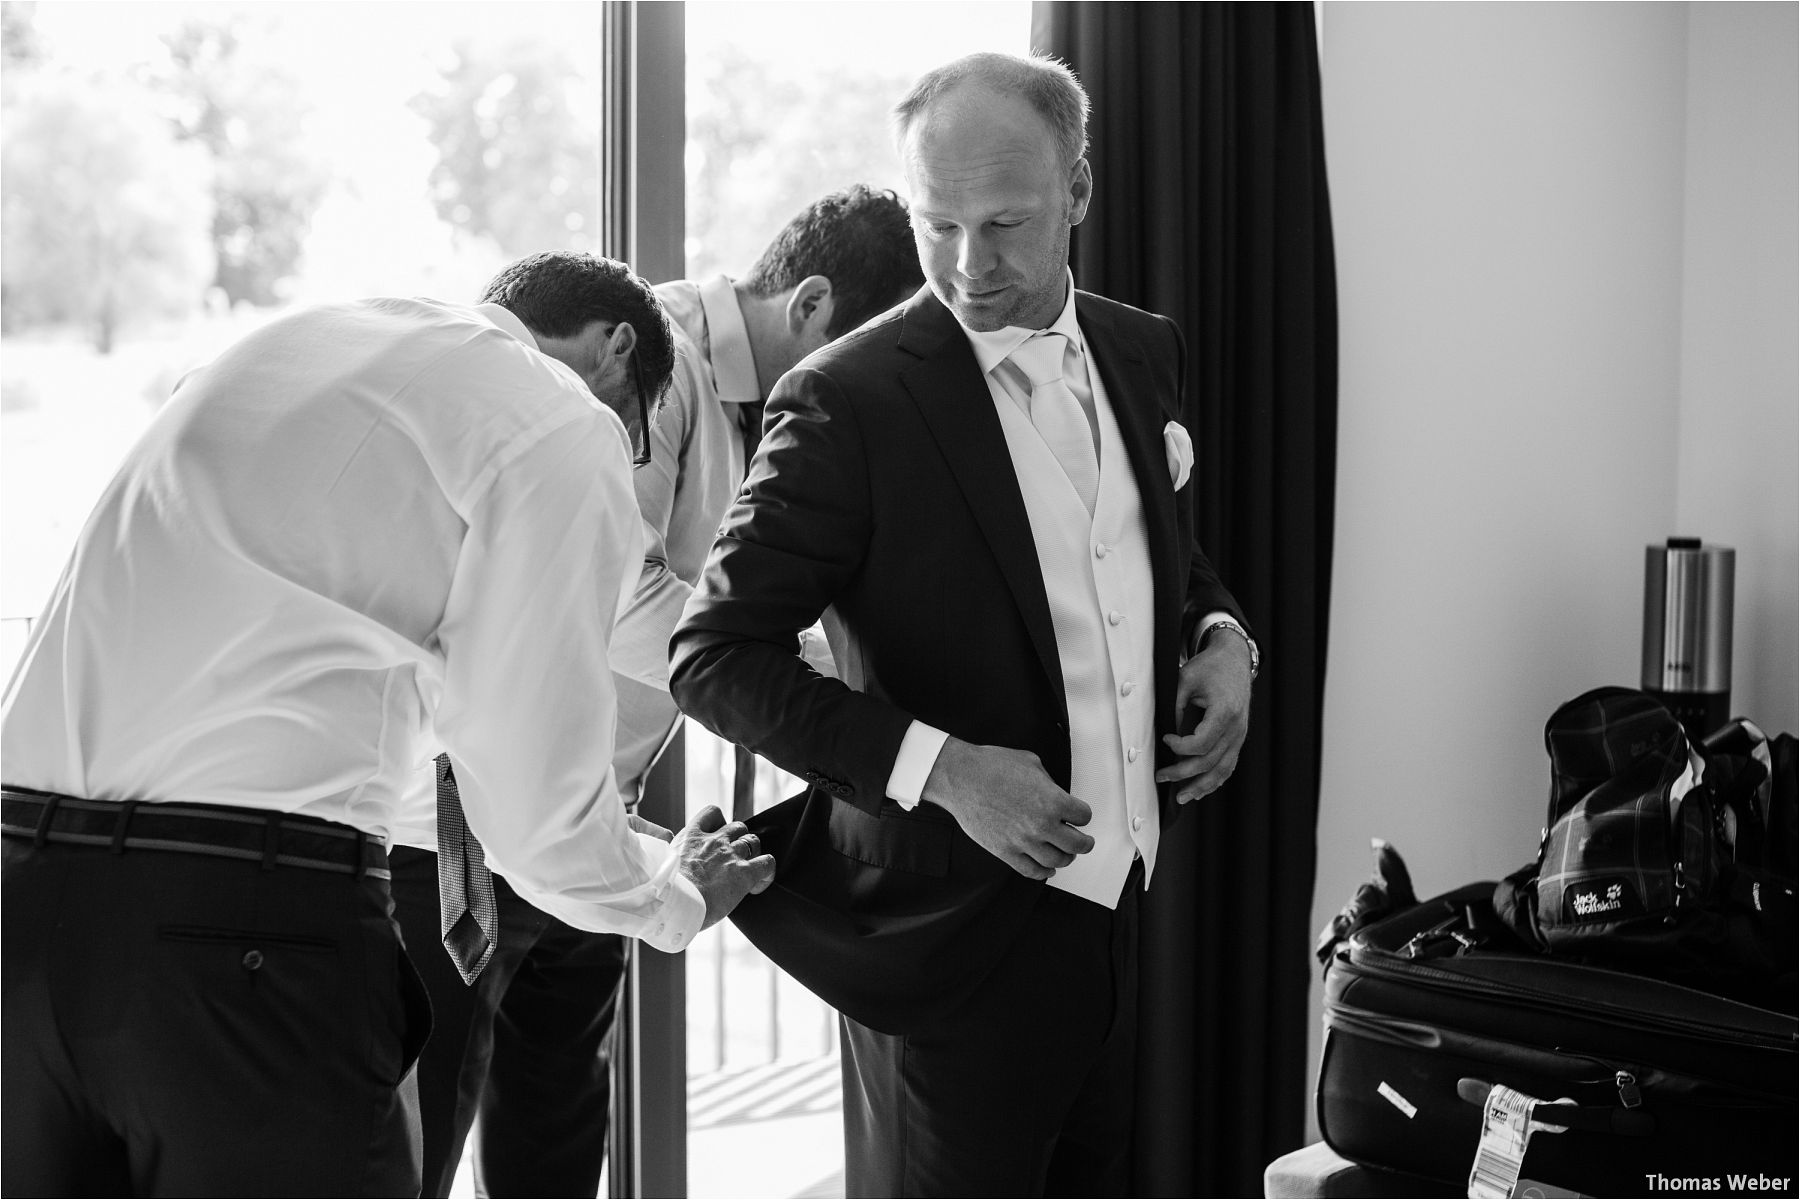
x: 884, y: 496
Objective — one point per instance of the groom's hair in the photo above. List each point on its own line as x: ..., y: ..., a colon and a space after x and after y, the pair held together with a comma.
x: 1046, y: 83
x: 858, y: 238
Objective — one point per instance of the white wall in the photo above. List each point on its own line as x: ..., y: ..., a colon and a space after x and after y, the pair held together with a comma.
x: 1736, y: 478
x: 1566, y: 252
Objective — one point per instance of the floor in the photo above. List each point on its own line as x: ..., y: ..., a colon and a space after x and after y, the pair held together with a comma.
x: 770, y: 1131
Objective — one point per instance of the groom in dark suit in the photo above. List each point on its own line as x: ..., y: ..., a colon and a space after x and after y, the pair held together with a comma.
x: 986, y: 493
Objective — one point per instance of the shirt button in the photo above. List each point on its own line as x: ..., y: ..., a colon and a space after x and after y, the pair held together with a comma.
x: 253, y: 960
x: 1131, y: 754
x: 1114, y: 617
x: 1137, y: 823
x: 1100, y: 549
x: 1126, y: 688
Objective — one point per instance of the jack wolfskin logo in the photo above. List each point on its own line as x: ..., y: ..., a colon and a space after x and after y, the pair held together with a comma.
x: 1589, y: 903
x: 1600, y: 900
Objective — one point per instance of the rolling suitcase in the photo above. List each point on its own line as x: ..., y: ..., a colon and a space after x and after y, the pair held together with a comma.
x: 1649, y: 1088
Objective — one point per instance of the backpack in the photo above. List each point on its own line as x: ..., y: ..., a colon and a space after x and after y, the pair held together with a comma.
x: 1662, y: 858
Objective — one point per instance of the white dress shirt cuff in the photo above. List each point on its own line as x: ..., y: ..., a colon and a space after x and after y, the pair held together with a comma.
x: 1207, y: 622
x: 683, y: 913
x: 816, y: 650
x: 665, y: 911
x: 912, y: 766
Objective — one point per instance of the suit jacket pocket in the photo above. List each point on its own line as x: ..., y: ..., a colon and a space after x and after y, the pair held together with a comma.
x: 894, y: 841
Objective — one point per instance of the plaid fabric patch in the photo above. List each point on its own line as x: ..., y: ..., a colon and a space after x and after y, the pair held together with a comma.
x: 1611, y: 848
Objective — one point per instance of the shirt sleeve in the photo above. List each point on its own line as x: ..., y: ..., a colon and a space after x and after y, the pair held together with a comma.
x: 815, y: 648
x: 1218, y: 617
x: 641, y: 646
x: 528, y: 702
x: 919, y: 751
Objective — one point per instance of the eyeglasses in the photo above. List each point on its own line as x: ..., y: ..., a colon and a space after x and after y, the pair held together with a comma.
x: 640, y: 448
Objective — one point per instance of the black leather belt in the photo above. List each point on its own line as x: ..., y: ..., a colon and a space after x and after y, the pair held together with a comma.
x: 274, y: 839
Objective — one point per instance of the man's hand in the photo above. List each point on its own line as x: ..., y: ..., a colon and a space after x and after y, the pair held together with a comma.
x: 1009, y: 806
x: 1217, y: 680
x: 724, y: 861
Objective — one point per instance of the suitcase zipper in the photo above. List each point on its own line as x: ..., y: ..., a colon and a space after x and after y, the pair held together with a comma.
x: 1631, y: 1083
x: 1631, y: 1018
x: 1628, y: 1081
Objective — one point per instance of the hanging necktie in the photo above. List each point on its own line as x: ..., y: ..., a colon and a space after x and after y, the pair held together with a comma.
x: 743, y: 762
x: 467, y: 917
x: 1057, y: 413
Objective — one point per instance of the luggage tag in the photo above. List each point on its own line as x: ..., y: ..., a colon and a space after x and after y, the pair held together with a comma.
x: 1506, y: 1130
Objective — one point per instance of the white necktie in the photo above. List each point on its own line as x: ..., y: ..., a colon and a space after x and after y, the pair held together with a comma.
x: 1057, y: 414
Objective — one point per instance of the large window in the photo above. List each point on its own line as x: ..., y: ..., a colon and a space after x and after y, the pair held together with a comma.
x: 175, y: 174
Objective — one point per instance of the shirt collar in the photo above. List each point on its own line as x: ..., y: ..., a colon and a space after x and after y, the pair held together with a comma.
x: 733, y: 367
x: 504, y: 318
x: 992, y: 349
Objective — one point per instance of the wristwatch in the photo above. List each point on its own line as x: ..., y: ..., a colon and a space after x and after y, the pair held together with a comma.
x: 1234, y: 627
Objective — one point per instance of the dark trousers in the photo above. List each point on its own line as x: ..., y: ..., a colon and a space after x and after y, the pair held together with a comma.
x: 520, y: 1055
x: 1024, y: 1091
x: 180, y: 1025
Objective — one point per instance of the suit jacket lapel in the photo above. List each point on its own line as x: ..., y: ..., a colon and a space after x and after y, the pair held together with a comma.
x: 1141, y: 413
x: 948, y: 387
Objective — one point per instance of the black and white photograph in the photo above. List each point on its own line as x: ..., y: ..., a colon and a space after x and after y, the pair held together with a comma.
x: 790, y: 599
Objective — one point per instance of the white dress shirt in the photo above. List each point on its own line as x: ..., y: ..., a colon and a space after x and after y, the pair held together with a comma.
x: 696, y: 469
x: 1097, y: 578
x: 696, y: 465
x: 366, y: 531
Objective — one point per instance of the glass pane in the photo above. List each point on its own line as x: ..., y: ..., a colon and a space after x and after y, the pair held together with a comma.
x: 785, y: 102
x: 177, y: 174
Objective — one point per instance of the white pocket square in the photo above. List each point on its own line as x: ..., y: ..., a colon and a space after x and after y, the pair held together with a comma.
x: 1178, y: 447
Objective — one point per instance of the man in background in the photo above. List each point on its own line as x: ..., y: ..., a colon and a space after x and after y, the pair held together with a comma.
x: 988, y: 495
x: 366, y: 531
x: 520, y: 1054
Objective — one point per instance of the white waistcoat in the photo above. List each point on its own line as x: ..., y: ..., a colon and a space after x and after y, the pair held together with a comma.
x: 1097, y: 576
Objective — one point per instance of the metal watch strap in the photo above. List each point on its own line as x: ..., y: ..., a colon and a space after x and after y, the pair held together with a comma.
x: 1234, y: 627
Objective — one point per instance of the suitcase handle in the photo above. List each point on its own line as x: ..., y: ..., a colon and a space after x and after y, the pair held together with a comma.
x: 1595, y: 1118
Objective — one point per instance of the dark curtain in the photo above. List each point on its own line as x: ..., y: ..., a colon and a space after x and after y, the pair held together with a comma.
x: 1210, y: 207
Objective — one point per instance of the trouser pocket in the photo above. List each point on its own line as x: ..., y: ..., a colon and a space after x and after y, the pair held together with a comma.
x: 415, y: 1008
